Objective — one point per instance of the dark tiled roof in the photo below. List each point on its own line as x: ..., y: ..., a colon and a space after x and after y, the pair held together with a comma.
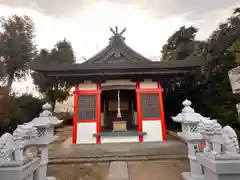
x: 117, y: 55
x: 195, y: 62
x: 188, y: 63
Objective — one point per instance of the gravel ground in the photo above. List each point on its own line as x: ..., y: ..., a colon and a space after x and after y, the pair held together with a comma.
x: 149, y: 170
x: 79, y: 172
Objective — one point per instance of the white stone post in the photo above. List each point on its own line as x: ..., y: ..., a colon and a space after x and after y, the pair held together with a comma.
x: 19, y: 143
x: 189, y: 120
x: 45, y: 124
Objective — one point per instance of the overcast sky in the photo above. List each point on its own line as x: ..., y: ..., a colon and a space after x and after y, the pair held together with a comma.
x: 86, y: 23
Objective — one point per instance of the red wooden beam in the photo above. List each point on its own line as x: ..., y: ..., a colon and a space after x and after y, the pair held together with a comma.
x: 87, y: 120
x: 86, y: 92
x: 148, y: 91
x: 150, y: 119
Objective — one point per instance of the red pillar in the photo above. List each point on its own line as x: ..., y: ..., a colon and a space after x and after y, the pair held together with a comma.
x: 164, y: 133
x: 98, y: 111
x: 75, y: 116
x: 139, y: 111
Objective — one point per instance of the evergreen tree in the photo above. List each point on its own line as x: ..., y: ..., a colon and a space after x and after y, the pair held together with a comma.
x: 52, y: 88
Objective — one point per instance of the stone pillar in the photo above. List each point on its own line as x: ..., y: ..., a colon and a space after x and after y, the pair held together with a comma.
x: 45, y: 124
x: 220, y: 159
x: 189, y: 120
x: 19, y: 142
x: 41, y: 172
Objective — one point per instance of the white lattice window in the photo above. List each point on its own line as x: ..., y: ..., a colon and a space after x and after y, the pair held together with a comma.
x: 41, y: 132
x: 192, y: 128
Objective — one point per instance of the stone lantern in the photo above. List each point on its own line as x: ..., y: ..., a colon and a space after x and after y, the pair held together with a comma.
x: 45, y: 124
x: 189, y: 120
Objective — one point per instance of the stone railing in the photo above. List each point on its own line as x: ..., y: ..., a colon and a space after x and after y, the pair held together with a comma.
x: 15, y: 163
x: 220, y: 158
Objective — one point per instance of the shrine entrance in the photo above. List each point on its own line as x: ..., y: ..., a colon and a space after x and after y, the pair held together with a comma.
x: 118, y: 112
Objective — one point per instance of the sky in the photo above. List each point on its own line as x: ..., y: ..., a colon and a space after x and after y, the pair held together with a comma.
x: 86, y: 23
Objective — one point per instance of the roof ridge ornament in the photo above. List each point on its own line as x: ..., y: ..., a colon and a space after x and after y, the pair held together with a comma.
x: 115, y: 32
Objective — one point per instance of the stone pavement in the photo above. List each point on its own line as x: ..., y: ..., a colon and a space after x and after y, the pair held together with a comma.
x: 66, y: 150
x: 118, y: 170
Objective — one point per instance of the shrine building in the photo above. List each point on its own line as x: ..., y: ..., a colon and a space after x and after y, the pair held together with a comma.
x: 118, y: 93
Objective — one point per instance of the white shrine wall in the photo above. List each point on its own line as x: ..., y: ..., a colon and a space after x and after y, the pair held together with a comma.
x: 85, y: 131
x: 153, y: 129
x: 87, y: 85
x: 119, y: 139
x: 148, y: 84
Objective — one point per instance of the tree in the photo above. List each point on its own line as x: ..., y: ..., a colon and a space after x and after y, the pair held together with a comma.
x: 223, y: 45
x: 210, y: 92
x: 181, y: 44
x: 52, y: 88
x: 17, y: 47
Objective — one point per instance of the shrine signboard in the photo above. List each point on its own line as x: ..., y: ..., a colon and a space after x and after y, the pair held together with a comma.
x: 234, y: 76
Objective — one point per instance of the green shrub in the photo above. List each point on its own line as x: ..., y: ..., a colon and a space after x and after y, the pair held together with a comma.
x: 15, y: 111
x: 30, y: 106
x: 10, y: 114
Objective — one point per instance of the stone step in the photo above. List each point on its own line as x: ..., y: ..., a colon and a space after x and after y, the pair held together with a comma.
x: 109, y: 159
x: 118, y: 171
